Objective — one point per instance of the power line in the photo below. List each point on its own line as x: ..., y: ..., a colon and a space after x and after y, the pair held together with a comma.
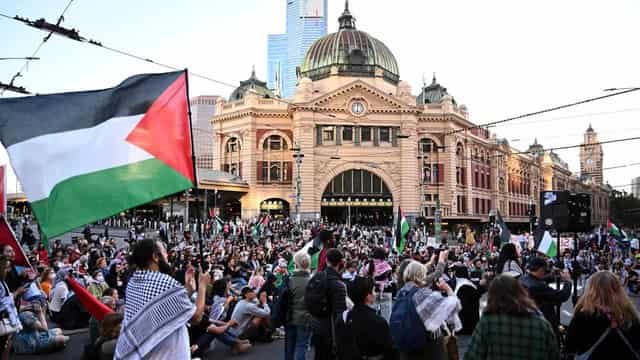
x: 10, y: 86
x: 571, y: 146
x: 571, y: 117
x: 74, y: 34
x: 555, y: 108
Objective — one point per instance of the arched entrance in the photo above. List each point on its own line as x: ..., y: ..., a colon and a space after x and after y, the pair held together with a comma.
x: 357, y: 196
x: 275, y: 207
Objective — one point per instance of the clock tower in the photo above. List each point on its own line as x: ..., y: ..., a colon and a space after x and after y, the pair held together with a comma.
x: 591, y: 157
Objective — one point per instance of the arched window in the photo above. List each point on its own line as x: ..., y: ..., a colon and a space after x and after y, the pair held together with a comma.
x: 275, y: 172
x: 427, y: 146
x: 275, y: 143
x: 459, y: 150
x: 233, y: 146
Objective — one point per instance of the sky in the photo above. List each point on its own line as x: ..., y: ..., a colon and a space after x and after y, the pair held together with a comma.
x: 500, y: 58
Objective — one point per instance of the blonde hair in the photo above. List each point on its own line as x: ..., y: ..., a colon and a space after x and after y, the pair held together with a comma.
x: 605, y: 293
x: 302, y: 261
x: 415, y: 272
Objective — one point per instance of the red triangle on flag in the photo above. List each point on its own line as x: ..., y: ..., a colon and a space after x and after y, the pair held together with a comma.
x: 8, y: 237
x: 164, y: 130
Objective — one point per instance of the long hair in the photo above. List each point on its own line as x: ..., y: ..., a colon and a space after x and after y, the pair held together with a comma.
x: 604, y: 293
x: 507, y: 253
x: 507, y: 296
x: 4, y: 264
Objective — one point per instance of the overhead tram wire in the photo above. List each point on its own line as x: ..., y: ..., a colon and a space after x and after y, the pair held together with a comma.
x: 539, y: 112
x: 74, y: 34
x: 569, y: 146
x: 28, y: 59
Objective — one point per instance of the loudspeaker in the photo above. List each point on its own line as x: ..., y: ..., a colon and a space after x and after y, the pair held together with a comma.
x: 580, y: 212
x: 554, y: 210
x: 565, y: 212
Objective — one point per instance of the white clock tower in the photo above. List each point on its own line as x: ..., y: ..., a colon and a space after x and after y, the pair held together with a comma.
x: 591, y: 157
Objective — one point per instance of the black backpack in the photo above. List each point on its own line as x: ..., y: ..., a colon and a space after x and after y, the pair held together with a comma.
x: 281, y: 306
x: 316, y: 295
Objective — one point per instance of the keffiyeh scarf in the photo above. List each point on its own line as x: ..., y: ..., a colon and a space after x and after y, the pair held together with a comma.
x: 437, y: 311
x: 156, y: 306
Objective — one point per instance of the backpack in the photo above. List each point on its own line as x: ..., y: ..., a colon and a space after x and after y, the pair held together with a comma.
x: 407, y: 330
x: 281, y: 306
x: 316, y: 295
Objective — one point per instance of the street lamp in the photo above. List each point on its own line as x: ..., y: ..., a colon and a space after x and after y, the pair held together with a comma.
x: 298, y: 156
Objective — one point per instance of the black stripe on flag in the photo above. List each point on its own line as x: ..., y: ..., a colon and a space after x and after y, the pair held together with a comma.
x: 27, y: 117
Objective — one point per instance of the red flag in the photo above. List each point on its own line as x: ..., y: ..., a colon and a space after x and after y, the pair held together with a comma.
x: 8, y: 237
x: 94, y: 306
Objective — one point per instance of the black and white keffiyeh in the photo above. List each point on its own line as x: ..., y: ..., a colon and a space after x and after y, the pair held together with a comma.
x: 156, y: 305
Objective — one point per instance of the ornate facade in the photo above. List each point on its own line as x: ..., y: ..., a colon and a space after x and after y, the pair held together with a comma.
x: 371, y: 146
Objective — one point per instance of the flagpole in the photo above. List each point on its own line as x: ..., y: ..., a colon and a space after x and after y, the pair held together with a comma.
x: 195, y: 176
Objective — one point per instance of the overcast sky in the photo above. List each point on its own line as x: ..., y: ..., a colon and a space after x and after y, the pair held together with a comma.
x: 500, y: 58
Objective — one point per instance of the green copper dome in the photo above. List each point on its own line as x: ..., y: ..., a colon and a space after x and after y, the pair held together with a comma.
x: 352, y: 52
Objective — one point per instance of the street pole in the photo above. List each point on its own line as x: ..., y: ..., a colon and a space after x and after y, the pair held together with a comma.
x: 186, y: 209
x: 215, y: 215
x: 298, y: 156
x: 437, y: 220
x: 349, y: 212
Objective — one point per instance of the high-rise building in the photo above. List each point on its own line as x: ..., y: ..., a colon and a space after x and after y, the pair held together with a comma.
x: 306, y: 22
x: 635, y: 187
x: 203, y: 108
x: 591, y: 157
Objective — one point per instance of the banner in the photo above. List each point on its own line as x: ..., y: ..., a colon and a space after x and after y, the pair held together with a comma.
x: 8, y: 237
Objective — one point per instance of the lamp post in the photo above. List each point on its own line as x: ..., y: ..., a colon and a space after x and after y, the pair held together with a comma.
x: 298, y: 156
x: 349, y: 212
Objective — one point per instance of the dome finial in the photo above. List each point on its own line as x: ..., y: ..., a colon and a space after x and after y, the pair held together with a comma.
x: 590, y: 129
x: 434, y: 78
x: 347, y: 21
x: 253, y: 72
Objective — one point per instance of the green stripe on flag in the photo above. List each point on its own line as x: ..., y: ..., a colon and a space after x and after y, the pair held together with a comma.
x: 87, y: 198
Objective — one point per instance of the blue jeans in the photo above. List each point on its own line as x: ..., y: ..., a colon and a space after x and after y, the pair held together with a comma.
x: 296, y: 342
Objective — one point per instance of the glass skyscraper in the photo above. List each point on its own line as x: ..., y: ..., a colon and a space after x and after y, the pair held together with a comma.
x: 306, y: 23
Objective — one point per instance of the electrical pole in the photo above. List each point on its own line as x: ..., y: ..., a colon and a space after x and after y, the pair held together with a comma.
x: 298, y: 156
x: 186, y: 210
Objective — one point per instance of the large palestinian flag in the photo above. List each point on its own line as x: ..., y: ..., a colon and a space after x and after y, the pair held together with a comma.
x: 84, y: 156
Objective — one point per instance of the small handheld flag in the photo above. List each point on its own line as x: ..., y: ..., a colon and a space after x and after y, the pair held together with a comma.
x: 548, y: 245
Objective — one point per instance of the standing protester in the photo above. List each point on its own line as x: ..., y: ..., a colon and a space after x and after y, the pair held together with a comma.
x: 298, y: 326
x: 7, y: 307
x: 547, y: 298
x: 380, y: 271
x: 508, y: 262
x: 469, y: 295
x: 325, y: 298
x: 511, y: 327
x: 605, y: 324
x: 360, y: 332
x: 157, y: 308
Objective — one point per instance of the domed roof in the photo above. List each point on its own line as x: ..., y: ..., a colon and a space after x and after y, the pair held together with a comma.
x: 251, y: 84
x: 353, y: 52
x: 433, y: 93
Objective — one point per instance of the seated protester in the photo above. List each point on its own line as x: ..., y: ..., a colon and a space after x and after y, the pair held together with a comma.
x: 35, y: 337
x: 59, y: 294
x: 469, y: 295
x: 104, y: 346
x: 218, y: 329
x: 94, y: 324
x: 252, y: 315
x: 96, y: 284
x: 361, y: 333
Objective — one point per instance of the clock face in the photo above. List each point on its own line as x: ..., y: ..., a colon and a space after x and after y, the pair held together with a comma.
x: 357, y: 108
x: 589, y: 161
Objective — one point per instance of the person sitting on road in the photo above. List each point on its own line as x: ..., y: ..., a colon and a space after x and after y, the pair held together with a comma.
x: 35, y: 336
x: 252, y: 315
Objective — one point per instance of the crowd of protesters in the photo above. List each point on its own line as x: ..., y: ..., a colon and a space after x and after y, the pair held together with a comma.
x: 337, y: 291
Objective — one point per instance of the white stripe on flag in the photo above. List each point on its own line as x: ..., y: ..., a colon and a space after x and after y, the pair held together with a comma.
x: 44, y: 161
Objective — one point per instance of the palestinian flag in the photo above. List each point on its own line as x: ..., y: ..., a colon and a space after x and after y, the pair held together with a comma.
x: 85, y: 156
x: 548, y: 245
x: 219, y: 223
x: 615, y: 231
x: 505, y: 234
x: 402, y: 229
x: 312, y: 248
x: 258, y: 228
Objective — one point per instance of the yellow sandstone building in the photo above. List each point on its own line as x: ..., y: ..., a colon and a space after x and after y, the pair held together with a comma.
x: 367, y: 145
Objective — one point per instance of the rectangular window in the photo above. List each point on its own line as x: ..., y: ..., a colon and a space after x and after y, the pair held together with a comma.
x: 265, y: 171
x: 347, y: 133
x: 427, y: 197
x: 366, y: 133
x: 384, y: 134
x: 328, y: 134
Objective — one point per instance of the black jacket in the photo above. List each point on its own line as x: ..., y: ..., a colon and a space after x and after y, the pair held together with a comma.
x: 337, y: 293
x: 470, y: 313
x: 546, y: 297
x: 365, y: 331
x: 585, y: 329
